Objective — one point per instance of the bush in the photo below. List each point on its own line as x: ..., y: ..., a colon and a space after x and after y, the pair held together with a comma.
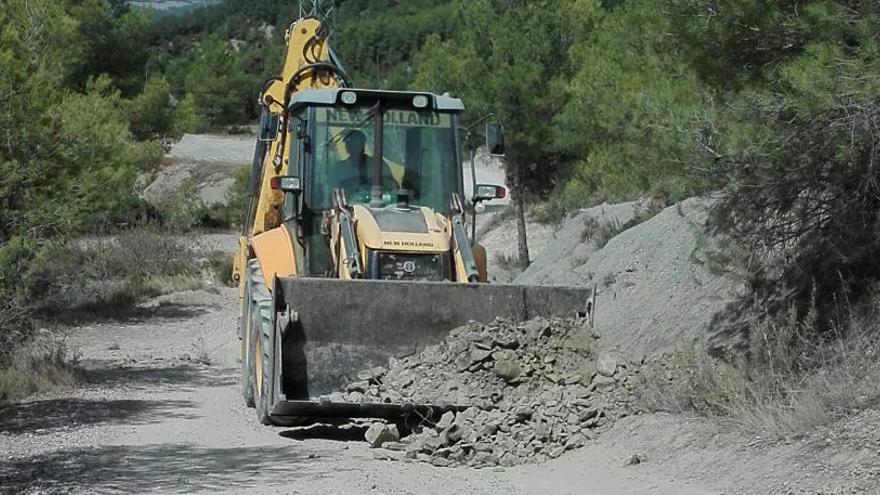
x: 810, y: 211
x: 221, y: 266
x: 185, y: 211
x: 43, y: 363
x: 548, y: 212
x: 112, y: 273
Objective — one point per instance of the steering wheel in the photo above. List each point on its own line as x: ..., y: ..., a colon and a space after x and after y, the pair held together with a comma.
x: 355, y: 189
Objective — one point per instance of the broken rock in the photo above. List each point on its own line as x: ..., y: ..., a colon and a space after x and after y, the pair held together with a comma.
x: 602, y: 382
x: 606, y: 364
x: 536, y: 385
x: 379, y: 433
x: 508, y: 370
x: 445, y: 420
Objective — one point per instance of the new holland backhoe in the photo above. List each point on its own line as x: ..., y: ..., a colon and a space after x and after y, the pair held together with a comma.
x: 355, y: 246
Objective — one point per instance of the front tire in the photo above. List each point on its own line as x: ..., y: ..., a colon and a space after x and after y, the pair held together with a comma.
x: 262, y: 350
x: 247, y: 362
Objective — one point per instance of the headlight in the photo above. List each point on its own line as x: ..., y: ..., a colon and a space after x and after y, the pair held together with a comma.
x: 420, y: 101
x: 349, y: 97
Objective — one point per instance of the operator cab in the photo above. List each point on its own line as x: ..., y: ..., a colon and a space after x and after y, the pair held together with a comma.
x: 385, y: 150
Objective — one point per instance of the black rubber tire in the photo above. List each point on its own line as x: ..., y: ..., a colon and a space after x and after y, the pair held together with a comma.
x: 247, y: 363
x: 262, y: 350
x: 261, y: 328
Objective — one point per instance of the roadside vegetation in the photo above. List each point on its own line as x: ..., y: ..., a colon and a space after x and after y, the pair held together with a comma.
x: 772, y: 105
x: 185, y: 211
x: 80, y: 121
x: 786, y: 384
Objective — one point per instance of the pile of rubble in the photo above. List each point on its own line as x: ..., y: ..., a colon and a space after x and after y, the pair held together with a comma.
x: 535, y: 389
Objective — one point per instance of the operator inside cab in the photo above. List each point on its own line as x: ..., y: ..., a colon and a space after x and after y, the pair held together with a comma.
x: 355, y: 172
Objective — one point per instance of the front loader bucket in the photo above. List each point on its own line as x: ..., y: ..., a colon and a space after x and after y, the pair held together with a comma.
x: 333, y: 329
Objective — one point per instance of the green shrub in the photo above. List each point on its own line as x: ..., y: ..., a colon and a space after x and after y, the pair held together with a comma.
x: 185, y: 211
x: 112, y: 273
x: 549, y: 212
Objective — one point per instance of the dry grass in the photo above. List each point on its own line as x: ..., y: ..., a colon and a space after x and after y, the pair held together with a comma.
x: 599, y: 233
x: 45, y: 363
x: 789, y: 382
x: 507, y: 261
x: 549, y: 212
x: 117, y: 272
x: 605, y: 232
x: 199, y: 352
x: 103, y: 277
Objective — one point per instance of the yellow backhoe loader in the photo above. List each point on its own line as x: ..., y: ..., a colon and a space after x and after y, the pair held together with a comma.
x: 355, y: 245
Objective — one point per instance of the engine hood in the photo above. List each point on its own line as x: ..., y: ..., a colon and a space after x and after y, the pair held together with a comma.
x: 402, y: 229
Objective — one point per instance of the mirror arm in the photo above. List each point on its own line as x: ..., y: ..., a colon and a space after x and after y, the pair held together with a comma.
x: 291, y: 206
x: 473, y: 152
x: 479, y: 121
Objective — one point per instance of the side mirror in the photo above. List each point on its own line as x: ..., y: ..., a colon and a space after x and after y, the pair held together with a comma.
x: 495, y: 139
x: 487, y: 192
x: 268, y: 127
x: 286, y: 183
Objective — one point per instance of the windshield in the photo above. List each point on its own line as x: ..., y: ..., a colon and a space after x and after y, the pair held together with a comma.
x: 418, y: 155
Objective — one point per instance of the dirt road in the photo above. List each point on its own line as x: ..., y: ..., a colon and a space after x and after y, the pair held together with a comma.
x: 161, y: 413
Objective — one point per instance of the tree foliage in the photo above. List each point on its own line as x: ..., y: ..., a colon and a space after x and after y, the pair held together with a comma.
x: 635, y: 111
x: 71, y: 147
x: 799, y: 154
x: 220, y: 55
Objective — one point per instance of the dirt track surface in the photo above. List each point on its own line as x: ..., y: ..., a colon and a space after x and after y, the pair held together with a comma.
x: 151, y: 419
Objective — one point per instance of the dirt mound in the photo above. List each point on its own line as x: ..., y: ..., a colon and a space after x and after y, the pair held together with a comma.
x: 659, y: 282
x: 496, y: 231
x: 537, y: 390
x: 550, y: 246
x: 573, y: 242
